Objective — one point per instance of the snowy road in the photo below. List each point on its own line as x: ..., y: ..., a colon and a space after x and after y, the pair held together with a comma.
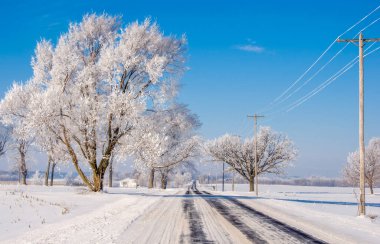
x: 199, y: 217
x: 181, y: 218
x: 256, y: 226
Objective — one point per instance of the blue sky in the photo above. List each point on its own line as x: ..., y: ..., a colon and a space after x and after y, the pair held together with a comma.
x: 241, y: 56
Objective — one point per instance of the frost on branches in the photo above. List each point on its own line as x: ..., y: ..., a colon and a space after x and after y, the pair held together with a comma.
x: 166, y: 140
x: 351, y: 171
x: 274, y: 152
x: 4, y: 139
x: 13, y: 113
x: 92, y: 87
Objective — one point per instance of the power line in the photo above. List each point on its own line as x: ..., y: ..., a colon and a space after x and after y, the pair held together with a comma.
x: 332, y: 78
x: 327, y: 82
x: 276, y: 100
x: 241, y: 125
x: 247, y: 130
x: 274, y: 115
x: 314, y: 75
x: 322, y: 86
x: 322, y: 68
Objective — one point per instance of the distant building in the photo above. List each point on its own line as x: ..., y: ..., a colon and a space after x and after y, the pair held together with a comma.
x: 128, y: 183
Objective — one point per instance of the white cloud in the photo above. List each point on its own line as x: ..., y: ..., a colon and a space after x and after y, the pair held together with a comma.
x: 251, y: 48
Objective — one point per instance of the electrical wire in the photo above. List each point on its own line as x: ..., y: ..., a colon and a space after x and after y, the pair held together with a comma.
x: 277, y: 99
x: 324, y: 66
x: 327, y: 82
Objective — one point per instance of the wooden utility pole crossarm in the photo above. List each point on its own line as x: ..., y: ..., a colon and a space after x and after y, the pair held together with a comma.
x: 357, y: 40
x: 255, y: 117
x: 361, y: 41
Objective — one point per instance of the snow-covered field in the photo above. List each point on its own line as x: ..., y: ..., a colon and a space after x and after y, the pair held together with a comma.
x: 62, y: 214
x: 317, y: 210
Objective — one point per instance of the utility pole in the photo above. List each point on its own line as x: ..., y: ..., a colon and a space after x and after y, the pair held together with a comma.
x: 255, y: 117
x: 216, y: 181
x: 361, y: 41
x: 223, y: 178
x: 233, y: 180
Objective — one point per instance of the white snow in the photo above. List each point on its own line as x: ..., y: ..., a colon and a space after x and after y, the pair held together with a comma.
x: 63, y: 214
x: 326, y: 212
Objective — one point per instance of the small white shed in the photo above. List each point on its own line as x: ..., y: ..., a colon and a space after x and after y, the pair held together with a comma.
x: 128, y: 183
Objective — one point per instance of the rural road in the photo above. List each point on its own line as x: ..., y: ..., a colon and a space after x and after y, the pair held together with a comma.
x: 200, y: 217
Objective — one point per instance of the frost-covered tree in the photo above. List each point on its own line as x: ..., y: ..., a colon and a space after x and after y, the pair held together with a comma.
x: 13, y: 113
x: 182, y: 178
x: 4, y: 140
x: 91, y: 88
x: 56, y: 153
x: 166, y: 139
x: 274, y: 152
x: 351, y: 171
x: 36, y: 178
x: 22, y: 147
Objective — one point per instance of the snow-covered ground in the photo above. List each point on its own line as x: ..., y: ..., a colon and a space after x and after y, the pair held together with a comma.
x: 62, y: 214
x: 328, y: 212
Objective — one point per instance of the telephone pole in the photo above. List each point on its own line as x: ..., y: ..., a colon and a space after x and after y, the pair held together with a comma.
x: 255, y: 117
x: 223, y: 178
x: 361, y: 41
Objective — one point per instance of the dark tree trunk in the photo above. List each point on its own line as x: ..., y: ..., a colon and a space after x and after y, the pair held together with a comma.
x: 101, y: 182
x: 164, y: 180
x: 99, y: 177
x: 251, y: 183
x: 151, y: 178
x: 98, y: 170
x: 370, y: 184
x: 47, y: 172
x: 52, y: 174
x: 101, y: 185
x: 23, y: 170
x: 24, y: 174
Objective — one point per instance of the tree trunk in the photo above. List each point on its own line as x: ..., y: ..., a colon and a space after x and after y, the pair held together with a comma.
x: 52, y: 174
x: 97, y: 171
x: 164, y: 180
x: 110, y: 174
x: 151, y: 178
x: 90, y: 149
x: 74, y: 160
x: 98, y: 178
x: 370, y: 184
x: 23, y: 170
x: 101, y: 176
x: 251, y: 183
x: 23, y: 177
x: 47, y: 173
